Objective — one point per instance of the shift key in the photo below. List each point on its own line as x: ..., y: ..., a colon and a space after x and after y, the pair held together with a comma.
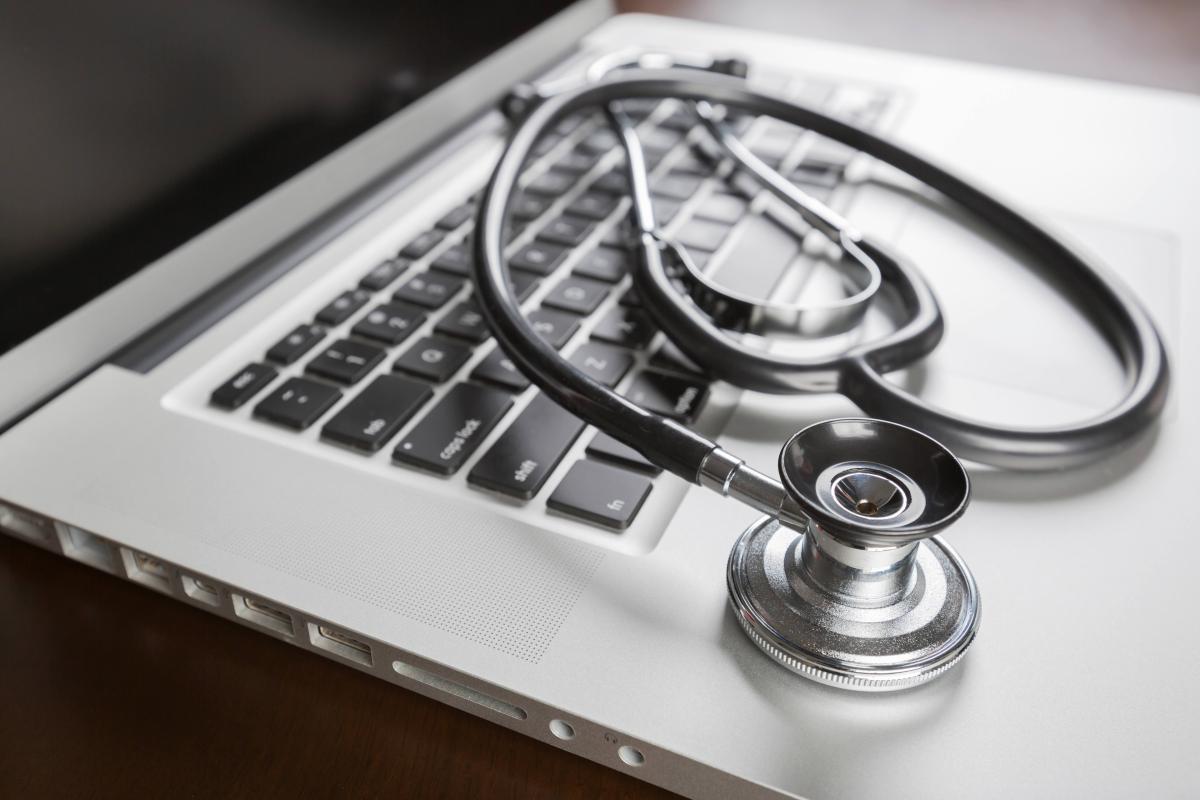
x: 521, y: 460
x: 451, y: 432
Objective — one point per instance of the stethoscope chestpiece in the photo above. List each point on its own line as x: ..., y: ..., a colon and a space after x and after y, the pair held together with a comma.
x: 864, y: 597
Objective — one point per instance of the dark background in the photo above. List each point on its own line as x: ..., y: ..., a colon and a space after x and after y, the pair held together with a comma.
x: 109, y: 690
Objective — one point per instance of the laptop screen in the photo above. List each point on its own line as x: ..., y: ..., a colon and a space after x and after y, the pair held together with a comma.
x: 131, y: 126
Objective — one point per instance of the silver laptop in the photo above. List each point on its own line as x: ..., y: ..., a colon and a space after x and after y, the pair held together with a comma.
x: 203, y: 297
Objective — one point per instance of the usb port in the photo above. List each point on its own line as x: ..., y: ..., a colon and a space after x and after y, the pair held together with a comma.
x: 146, y: 570
x: 263, y: 614
x: 25, y: 524
x: 342, y: 644
x: 200, y: 590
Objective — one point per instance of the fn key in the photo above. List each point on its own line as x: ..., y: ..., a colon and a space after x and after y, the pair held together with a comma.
x: 600, y: 494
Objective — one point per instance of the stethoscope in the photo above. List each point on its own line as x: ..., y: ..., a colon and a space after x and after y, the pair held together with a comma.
x: 843, y: 580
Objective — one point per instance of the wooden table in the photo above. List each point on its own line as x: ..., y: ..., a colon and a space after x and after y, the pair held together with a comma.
x: 108, y: 690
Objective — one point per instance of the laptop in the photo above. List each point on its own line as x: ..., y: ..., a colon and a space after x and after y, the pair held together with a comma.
x: 242, y: 367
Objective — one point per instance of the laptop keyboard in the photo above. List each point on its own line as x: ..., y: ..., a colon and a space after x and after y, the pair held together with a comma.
x: 570, y: 264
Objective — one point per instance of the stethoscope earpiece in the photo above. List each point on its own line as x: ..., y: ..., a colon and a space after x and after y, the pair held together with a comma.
x: 858, y: 598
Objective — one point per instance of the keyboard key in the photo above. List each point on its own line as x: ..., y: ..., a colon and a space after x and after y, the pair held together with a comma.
x: 605, y: 447
x: 552, y: 183
x: 594, y: 205
x: 346, y: 304
x: 665, y: 209
x: 465, y: 322
x: 577, y: 295
x: 600, y: 140
x: 302, y: 339
x: 612, y: 182
x: 456, y: 217
x: 529, y: 207
x: 676, y: 186
x: 670, y: 395
x: 457, y: 260
x: 672, y: 359
x: 602, y: 362
x: 540, y: 258
x: 499, y: 369
x: 346, y: 361
x: 600, y: 494
x: 578, y: 160
x: 814, y: 174
x: 429, y: 289
x: 702, y: 234
x: 298, y: 403
x: 391, y: 323
x: 370, y: 419
x: 249, y: 381
x: 630, y: 299
x: 433, y: 358
x: 724, y: 208
x: 421, y: 245
x: 382, y: 276
x: 521, y: 460
x: 523, y: 285
x: 627, y: 327
x: 555, y: 327
x: 451, y: 432
x: 567, y: 230
x: 608, y: 264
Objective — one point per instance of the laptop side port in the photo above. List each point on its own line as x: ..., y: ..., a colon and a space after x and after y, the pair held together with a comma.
x: 26, y: 524
x: 85, y: 547
x: 342, y: 644
x: 146, y: 570
x: 459, y: 690
x: 262, y: 614
x: 200, y: 590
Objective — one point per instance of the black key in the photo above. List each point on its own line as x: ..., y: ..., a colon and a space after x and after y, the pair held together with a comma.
x: 567, y: 230
x: 682, y: 120
x: 814, y: 174
x: 671, y: 358
x: 602, y: 362
x: 612, y: 182
x: 665, y: 209
x: 676, y: 187
x: 449, y: 434
x: 619, y: 236
x: 577, y: 295
x: 578, y: 160
x: 523, y: 285
x: 607, y: 448
x: 249, y: 381
x: 421, y: 245
x: 568, y: 124
x: 541, y: 258
x: 725, y: 208
x: 654, y: 156
x: 670, y: 395
x: 302, y: 339
x: 555, y: 327
x: 529, y: 207
x: 659, y: 138
x: 552, y: 183
x: 593, y: 205
x: 702, y: 234
x: 429, y: 289
x: 600, y: 494
x: 346, y: 304
x: 465, y: 322
x: 370, y: 419
x: 384, y: 274
x: 499, y: 369
x: 627, y: 327
x: 433, y: 358
x: 391, y: 323
x: 521, y: 460
x: 298, y: 403
x: 457, y: 260
x: 630, y: 299
x: 608, y: 264
x: 456, y: 217
x: 346, y: 361
x: 600, y: 140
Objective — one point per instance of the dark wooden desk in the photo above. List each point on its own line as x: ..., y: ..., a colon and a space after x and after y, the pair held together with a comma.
x: 107, y: 690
